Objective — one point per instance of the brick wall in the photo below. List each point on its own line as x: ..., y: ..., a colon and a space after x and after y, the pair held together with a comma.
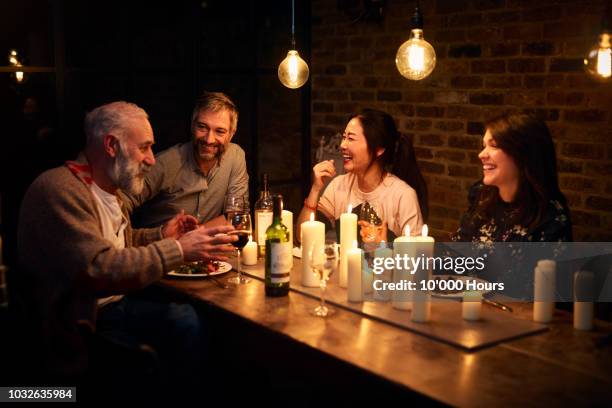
x: 494, y: 56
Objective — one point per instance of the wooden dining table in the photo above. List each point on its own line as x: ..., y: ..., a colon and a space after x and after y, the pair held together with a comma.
x: 557, y: 365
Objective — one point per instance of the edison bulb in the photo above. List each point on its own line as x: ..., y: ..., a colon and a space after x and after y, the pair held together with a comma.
x: 416, y: 58
x: 599, y: 61
x: 293, y: 71
x: 19, y: 76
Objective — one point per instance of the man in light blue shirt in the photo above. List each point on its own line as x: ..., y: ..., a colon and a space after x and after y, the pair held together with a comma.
x: 196, y: 176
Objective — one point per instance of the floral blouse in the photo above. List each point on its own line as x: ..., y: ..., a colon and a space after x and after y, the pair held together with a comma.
x: 555, y: 225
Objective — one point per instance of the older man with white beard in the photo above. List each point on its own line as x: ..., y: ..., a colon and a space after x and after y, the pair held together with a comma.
x: 78, y: 254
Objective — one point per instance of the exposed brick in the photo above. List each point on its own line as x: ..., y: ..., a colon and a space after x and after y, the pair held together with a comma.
x: 486, y: 99
x: 392, y: 96
x: 514, y: 81
x: 335, y: 69
x: 322, y: 107
x: 449, y: 126
x: 580, y: 184
x: 431, y: 167
x: 526, y: 98
x: 562, y: 30
x: 430, y: 111
x: 404, y: 109
x: 488, y: 4
x: 542, y: 13
x: 464, y: 50
x: 502, y: 17
x: 599, y: 203
x: 323, y: 82
x: 451, y: 155
x: 362, y: 69
x: 423, y: 153
x: 335, y: 120
x: 462, y: 20
x: 443, y: 212
x: 585, y: 115
x: 362, y: 96
x: 337, y: 95
x: 524, y: 32
x: 569, y: 166
x: 418, y: 96
x: 463, y: 171
x: 540, y: 48
x: 488, y: 67
x: 347, y: 56
x: 464, y: 142
x: 523, y: 65
x: 485, y: 34
x: 463, y: 112
x: 451, y: 6
x: 599, y: 168
x: 370, y: 82
x: 450, y: 35
x: 573, y: 199
x: 431, y: 140
x: 475, y: 128
x: 451, y: 97
x: 469, y: 82
x: 586, y: 219
x: 562, y: 98
x: 504, y: 50
x: 543, y: 114
x: 566, y: 65
x: 324, y: 131
x: 361, y: 42
x: 534, y: 81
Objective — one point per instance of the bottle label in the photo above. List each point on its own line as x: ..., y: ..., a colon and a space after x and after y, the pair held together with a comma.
x: 264, y: 220
x: 280, y: 267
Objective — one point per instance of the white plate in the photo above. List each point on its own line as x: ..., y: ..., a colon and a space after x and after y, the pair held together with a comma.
x: 459, y: 294
x: 224, y: 267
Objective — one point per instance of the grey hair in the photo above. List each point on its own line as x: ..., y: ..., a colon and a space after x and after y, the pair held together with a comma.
x: 114, y: 117
x: 215, y: 102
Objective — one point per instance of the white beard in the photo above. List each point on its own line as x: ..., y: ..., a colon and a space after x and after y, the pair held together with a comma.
x: 128, y: 175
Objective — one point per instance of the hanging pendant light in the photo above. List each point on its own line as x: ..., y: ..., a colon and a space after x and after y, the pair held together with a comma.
x: 598, y: 62
x: 293, y: 71
x: 14, y: 61
x: 416, y: 58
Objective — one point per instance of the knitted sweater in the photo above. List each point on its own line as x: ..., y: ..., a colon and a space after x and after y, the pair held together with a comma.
x: 65, y: 264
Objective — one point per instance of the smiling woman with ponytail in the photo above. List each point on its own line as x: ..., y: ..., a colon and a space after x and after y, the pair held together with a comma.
x: 380, y: 167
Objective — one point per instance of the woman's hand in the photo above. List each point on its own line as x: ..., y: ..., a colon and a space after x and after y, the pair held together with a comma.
x: 322, y: 172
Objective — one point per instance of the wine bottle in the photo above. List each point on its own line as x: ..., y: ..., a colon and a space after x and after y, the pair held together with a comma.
x: 278, y: 253
x: 263, y: 217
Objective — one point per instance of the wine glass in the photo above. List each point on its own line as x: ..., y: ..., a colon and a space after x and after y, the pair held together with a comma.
x: 237, y: 214
x: 324, y: 262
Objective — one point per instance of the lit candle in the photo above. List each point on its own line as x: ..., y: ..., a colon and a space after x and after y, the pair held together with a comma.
x: 471, y: 306
x: 402, y: 245
x: 313, y: 232
x: 544, y: 291
x: 249, y: 252
x: 354, y: 256
x: 287, y: 220
x: 584, y: 282
x: 421, y: 306
x: 348, y: 234
x: 383, y: 252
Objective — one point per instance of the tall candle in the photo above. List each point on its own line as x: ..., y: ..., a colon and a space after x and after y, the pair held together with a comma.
x: 402, y: 245
x: 544, y: 291
x: 354, y: 256
x: 584, y: 291
x: 249, y: 252
x: 421, y: 306
x: 471, y: 307
x: 313, y: 232
x: 348, y: 234
x: 287, y: 220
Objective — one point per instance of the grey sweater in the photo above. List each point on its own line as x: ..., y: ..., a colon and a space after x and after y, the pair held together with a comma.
x: 65, y: 264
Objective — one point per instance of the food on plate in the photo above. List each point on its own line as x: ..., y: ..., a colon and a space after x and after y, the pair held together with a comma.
x: 199, y: 267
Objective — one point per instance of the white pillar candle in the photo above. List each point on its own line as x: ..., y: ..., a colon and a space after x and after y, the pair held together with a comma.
x: 421, y: 306
x: 544, y: 291
x: 471, y: 307
x: 249, y: 252
x: 313, y: 232
x: 387, y: 276
x: 287, y: 220
x: 348, y: 234
x: 402, y: 245
x: 584, y: 291
x: 354, y: 256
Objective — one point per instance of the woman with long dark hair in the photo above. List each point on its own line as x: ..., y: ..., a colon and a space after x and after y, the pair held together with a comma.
x: 380, y: 167
x: 518, y: 198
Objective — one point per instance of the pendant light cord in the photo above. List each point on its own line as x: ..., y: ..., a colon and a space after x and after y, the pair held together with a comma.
x: 293, y: 24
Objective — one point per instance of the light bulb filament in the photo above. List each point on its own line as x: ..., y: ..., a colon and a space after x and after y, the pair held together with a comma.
x: 604, y: 63
x: 293, y: 69
x: 416, y: 58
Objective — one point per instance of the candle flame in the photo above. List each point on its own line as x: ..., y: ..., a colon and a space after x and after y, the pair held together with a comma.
x: 350, y: 208
x: 407, y: 231
x: 425, y: 230
x: 311, y: 216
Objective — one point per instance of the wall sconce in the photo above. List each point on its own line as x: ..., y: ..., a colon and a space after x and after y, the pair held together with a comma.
x: 598, y: 62
x: 14, y: 61
x: 293, y: 71
x: 416, y: 58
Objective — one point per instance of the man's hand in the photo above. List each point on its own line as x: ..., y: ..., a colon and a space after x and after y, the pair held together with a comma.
x: 203, y: 244
x: 179, y: 225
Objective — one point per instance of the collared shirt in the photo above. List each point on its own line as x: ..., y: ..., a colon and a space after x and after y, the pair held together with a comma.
x: 176, y: 183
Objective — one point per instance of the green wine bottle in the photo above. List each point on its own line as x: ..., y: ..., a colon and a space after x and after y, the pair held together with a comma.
x: 278, y: 253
